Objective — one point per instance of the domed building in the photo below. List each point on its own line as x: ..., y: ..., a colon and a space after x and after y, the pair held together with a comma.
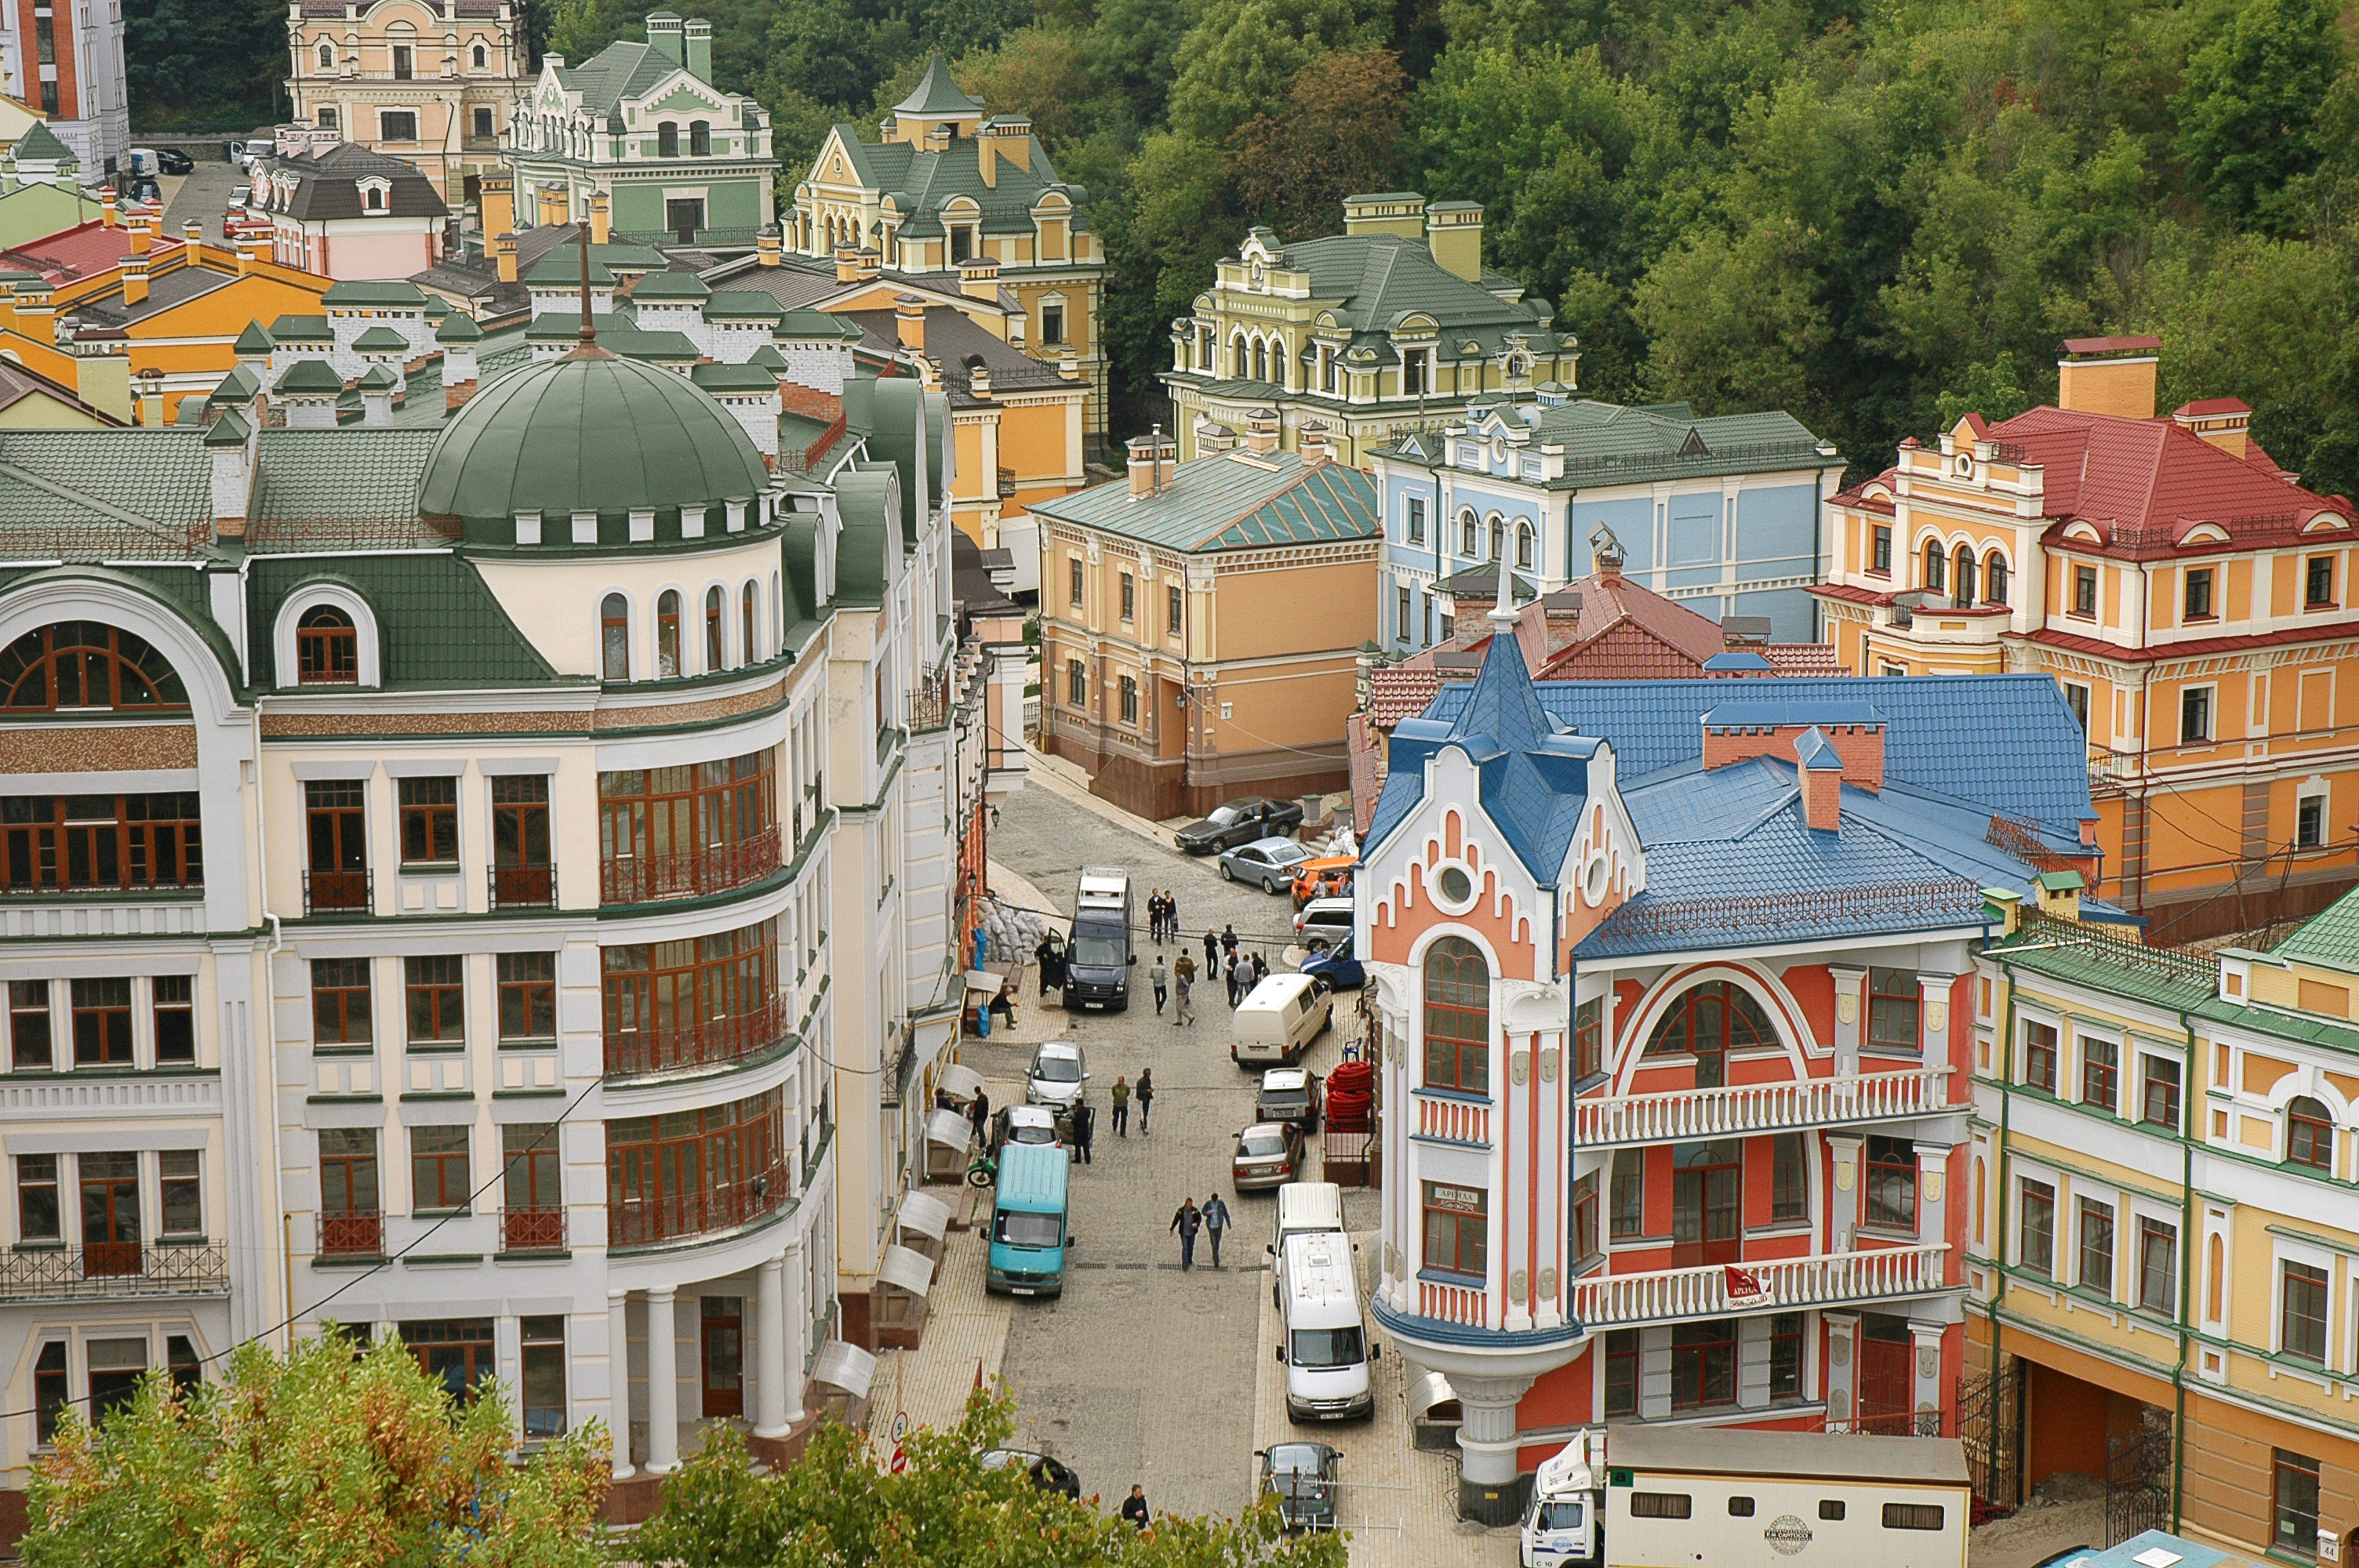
x: 435, y: 837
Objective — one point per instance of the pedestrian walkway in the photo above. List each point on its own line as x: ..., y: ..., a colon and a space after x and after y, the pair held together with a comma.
x: 1398, y: 1502
x: 1062, y: 779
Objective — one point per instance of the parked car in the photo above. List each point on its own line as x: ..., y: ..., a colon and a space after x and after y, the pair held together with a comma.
x: 1025, y: 1124
x: 1047, y: 1474
x: 1320, y: 922
x: 1289, y: 1094
x: 1266, y: 863
x: 172, y: 161
x: 1323, y: 876
x: 1237, y: 822
x: 1269, y: 1154
x: 140, y: 161
x: 1338, y: 968
x: 238, y: 197
x: 1302, y: 1476
x: 1058, y: 1071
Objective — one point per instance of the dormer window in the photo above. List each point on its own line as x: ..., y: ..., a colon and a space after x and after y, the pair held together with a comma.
x: 377, y: 195
x: 1414, y: 364
x: 327, y: 648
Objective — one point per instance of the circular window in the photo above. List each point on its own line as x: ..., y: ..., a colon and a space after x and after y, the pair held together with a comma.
x: 1454, y: 885
x: 1594, y: 879
x: 1499, y: 449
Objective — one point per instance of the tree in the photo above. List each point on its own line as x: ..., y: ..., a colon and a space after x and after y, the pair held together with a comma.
x: 203, y: 64
x: 834, y: 1509
x: 1241, y: 59
x: 323, y: 1459
x: 1338, y: 132
x: 2248, y: 99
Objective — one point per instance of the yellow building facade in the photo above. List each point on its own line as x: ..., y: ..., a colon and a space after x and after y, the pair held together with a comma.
x: 432, y: 81
x: 2191, y: 599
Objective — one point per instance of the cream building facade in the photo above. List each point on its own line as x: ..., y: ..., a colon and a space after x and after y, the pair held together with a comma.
x: 432, y: 81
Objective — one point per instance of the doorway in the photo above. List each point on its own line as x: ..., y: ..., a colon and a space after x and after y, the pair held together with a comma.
x: 684, y: 216
x: 1705, y: 1205
x: 1887, y: 1392
x: 110, y: 1214
x: 724, y: 1341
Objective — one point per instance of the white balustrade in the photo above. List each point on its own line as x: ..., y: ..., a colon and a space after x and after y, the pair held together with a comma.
x: 1737, y: 1109
x: 1622, y: 1301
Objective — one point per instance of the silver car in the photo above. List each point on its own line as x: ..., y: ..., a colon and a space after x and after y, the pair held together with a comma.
x: 1270, y: 863
x: 1056, y: 1077
x: 1269, y: 1154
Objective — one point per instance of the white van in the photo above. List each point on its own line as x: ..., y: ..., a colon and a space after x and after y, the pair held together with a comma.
x: 1304, y: 1208
x: 1278, y: 1020
x: 1326, y: 1354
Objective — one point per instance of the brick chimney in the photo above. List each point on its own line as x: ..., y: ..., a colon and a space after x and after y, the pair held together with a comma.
x: 1261, y: 430
x: 1742, y: 728
x: 2225, y: 422
x: 1151, y: 465
x: 503, y: 257
x: 1311, y: 442
x: 1560, y: 611
x: 2109, y: 375
x: 135, y: 279
x: 769, y: 246
x: 1606, y: 555
x: 142, y: 230
x: 979, y: 278
x: 602, y: 223
x: 910, y: 321
x: 1822, y: 775
x: 847, y: 265
x: 106, y: 214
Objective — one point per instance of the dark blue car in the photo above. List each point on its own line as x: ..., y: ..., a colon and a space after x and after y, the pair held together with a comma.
x: 1338, y: 968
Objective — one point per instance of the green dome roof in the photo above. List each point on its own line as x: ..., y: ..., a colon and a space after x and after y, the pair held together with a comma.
x: 595, y: 434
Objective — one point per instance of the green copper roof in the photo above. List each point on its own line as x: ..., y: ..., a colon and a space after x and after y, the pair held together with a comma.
x: 302, y: 329
x: 2330, y: 937
x: 229, y: 430
x: 458, y: 328
x: 238, y: 386
x: 312, y: 375
x: 742, y: 304
x: 439, y: 626
x: 380, y: 339
x: 368, y: 293
x: 819, y: 324
x: 734, y: 378
x: 671, y: 286
x: 563, y: 265
x: 253, y: 342
x: 40, y: 141
x: 589, y: 433
x: 376, y: 378
x: 937, y: 94
x: 1237, y: 501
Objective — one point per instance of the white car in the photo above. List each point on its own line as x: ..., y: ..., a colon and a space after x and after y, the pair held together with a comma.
x: 1323, y: 921
x: 1056, y: 1077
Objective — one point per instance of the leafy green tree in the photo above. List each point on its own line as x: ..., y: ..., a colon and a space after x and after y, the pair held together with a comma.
x: 316, y: 1461
x: 2250, y: 96
x: 194, y: 65
x: 1240, y: 59
x: 835, y: 1508
x: 1339, y: 131
x: 1735, y: 322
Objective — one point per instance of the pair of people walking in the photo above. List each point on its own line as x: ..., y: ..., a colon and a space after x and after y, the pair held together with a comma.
x: 1162, y: 916
x: 1121, y: 1097
x: 1211, y: 1220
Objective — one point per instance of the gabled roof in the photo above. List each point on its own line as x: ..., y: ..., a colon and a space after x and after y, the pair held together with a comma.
x: 1234, y: 501
x: 40, y: 143
x: 16, y: 384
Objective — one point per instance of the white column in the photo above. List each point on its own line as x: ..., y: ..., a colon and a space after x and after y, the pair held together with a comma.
x: 1512, y: 1135
x: 663, y: 1382
x: 618, y: 1380
x: 1488, y: 1485
x: 1551, y: 1132
x: 795, y: 1318
x: 771, y: 1332
x: 1925, y: 1375
x: 1842, y: 1344
x: 1850, y: 1025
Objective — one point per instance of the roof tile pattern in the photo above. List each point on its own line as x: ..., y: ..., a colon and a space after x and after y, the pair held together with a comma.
x: 1234, y: 501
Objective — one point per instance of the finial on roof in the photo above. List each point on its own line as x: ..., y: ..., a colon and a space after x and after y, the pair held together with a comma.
x: 587, y: 347
x: 1502, y: 613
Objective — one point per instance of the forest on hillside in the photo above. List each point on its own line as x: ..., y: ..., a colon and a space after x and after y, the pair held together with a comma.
x: 1875, y: 213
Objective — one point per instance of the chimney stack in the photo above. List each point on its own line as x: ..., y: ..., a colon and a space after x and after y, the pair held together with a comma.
x: 1400, y: 213
x: 697, y: 35
x: 1153, y: 461
x: 847, y: 265
x: 151, y: 398
x: 498, y: 204
x: 1606, y: 555
x: 1261, y: 430
x: 866, y: 263
x: 1311, y: 442
x: 192, y: 233
x: 2225, y: 422
x: 142, y: 229
x: 1822, y: 775
x: 106, y: 213
x: 664, y: 35
x: 135, y: 279
x: 2109, y: 375
x: 910, y: 321
x: 503, y: 257
x: 1453, y: 236
x: 769, y: 246
x: 601, y: 222
x: 979, y: 278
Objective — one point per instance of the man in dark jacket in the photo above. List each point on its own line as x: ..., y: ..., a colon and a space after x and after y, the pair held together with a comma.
x: 980, y: 1112
x: 1085, y: 1123
x: 1133, y: 1507
x: 1189, y: 1220
x: 1145, y: 1095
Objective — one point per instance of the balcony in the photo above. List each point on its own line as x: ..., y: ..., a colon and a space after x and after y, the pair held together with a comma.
x: 528, y: 1230
x: 523, y: 887
x: 1738, y: 1109
x: 109, y: 1270
x: 352, y: 1235
x: 1830, y: 1279
x: 931, y: 704
x: 645, y: 879
x: 335, y: 893
x: 711, y: 1043
x: 652, y: 1222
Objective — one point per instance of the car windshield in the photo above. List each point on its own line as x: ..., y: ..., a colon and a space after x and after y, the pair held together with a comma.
x: 1262, y: 1145
x: 1058, y: 1070
x: 1223, y: 816
x: 1327, y: 1346
x: 1562, y: 1514
x: 1294, y: 1458
x: 1019, y: 1229
x: 1288, y: 854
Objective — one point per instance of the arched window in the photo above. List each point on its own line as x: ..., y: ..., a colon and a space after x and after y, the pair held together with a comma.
x: 716, y: 608
x: 1242, y: 356
x: 1933, y: 564
x: 84, y: 664
x: 668, y: 632
x: 481, y: 57
x: 778, y: 610
x: 746, y: 611
x: 1494, y: 538
x: 614, y: 637
x: 1708, y: 1021
x: 327, y: 57
x: 1457, y: 1017
x: 700, y: 138
x: 667, y: 139
x: 1261, y: 360
x: 1524, y: 545
x: 1961, y: 586
x: 1995, y: 584
x: 327, y: 648
x: 1469, y: 543
x: 373, y: 199
x: 2309, y: 1134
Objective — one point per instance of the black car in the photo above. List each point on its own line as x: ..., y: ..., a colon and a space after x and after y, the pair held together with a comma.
x: 1049, y: 1475
x: 1237, y: 822
x: 172, y: 161
x: 1302, y: 1478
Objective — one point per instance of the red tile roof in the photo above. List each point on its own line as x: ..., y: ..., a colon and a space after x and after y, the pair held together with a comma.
x: 2325, y: 631
x: 2139, y: 343
x: 1804, y: 659
x: 79, y: 252
x: 2204, y: 407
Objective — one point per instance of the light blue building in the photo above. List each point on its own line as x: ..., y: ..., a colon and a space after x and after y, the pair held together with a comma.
x: 1722, y: 514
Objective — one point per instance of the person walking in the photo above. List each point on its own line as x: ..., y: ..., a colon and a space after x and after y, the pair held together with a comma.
x: 1145, y: 1092
x: 1215, y: 1215
x: 1185, y: 1012
x: 1171, y: 915
x: 1044, y: 955
x: 1261, y: 967
x: 1211, y: 952
x: 980, y: 1113
x: 1121, y: 1098
x: 1189, y: 1220
x: 1241, y: 979
x: 1229, y: 940
x: 1133, y: 1507
x: 1085, y: 1127
x: 1161, y: 983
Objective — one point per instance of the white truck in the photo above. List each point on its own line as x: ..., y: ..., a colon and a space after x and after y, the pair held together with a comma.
x: 1639, y: 1497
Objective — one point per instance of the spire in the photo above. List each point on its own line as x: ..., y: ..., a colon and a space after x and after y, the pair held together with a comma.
x: 1504, y: 705
x: 1502, y: 613
x: 937, y: 95
x: 587, y: 349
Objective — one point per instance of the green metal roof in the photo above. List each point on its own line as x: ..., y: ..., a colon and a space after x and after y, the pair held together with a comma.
x: 936, y: 94
x: 1378, y: 278
x: 302, y: 329
x: 376, y: 378
x: 1237, y: 501
x: 562, y: 267
x: 819, y: 324
x: 741, y: 304
x: 341, y: 477
x: 112, y: 494
x: 439, y: 626
x: 240, y: 385
x: 310, y: 376
x: 734, y: 378
x: 373, y: 293
x: 458, y: 328
x: 2329, y: 938
x: 40, y: 141
x: 671, y: 285
x: 253, y: 342
x: 380, y: 339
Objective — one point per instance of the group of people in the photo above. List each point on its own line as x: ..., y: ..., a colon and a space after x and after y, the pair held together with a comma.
x: 1212, y: 1219
x: 1162, y: 916
x: 1238, y: 967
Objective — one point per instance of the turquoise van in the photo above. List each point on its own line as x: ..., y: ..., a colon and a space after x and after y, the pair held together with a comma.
x: 1027, y: 1222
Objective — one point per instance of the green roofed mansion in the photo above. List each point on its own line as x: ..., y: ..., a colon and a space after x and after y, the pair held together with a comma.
x: 376, y: 792
x: 682, y: 161
x: 1392, y: 325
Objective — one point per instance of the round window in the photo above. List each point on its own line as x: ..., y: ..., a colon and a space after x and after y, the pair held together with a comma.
x: 1594, y: 877
x: 1455, y: 886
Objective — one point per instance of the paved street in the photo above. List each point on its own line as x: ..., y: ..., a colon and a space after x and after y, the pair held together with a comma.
x: 1142, y: 1373
x: 200, y: 198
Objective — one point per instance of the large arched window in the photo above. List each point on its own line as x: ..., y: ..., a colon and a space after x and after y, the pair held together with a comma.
x: 1708, y: 1021
x: 667, y: 139
x: 716, y: 613
x: 668, y: 632
x: 2309, y: 1134
x: 1457, y: 1017
x: 1470, y: 543
x: 614, y: 637
x: 84, y: 664
x: 1995, y: 585
x: 327, y: 648
x: 1934, y: 563
x: 1961, y: 585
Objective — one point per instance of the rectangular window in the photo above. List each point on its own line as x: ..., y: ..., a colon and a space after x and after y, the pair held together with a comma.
x: 1830, y: 1509
x: 521, y: 820
x: 438, y: 1169
x: 2302, y: 1313
x: 340, y: 1001
x: 37, y: 1198
x: 1584, y: 1219
x: 93, y: 841
x: 50, y: 1396
x: 1175, y: 610
x: 1413, y: 371
x: 1628, y: 1196
x: 2310, y: 822
x: 173, y: 1007
x: 2158, y: 1289
x: 1129, y: 596
x: 455, y: 1352
x: 2039, y: 1056
x: 2198, y: 604
x: 430, y: 822
x: 2100, y: 1074
x: 1880, y: 555
x: 1052, y: 323
x: 1588, y: 1040
x: 405, y: 59
x: 1076, y: 682
x: 1073, y: 569
x: 2036, y: 1252
x: 1622, y: 1372
x: 1789, y: 1178
x: 396, y: 125
x: 544, y: 1377
x: 2085, y: 592
x: 1893, y: 999
x: 182, y: 1190
x: 348, y: 1184
x: 530, y: 1175
x: 1703, y: 1364
x: 326, y: 117
x: 2159, y: 1106
x: 484, y: 127
x: 1892, y: 1183
x: 1129, y: 691
x: 2097, y: 1247
x: 2194, y: 715
x: 434, y: 990
x: 2296, y: 1492
x: 334, y: 817
x: 1402, y: 610
x: 2318, y: 583
x: 1457, y: 1228
x: 1915, y: 1516
x: 527, y: 996
x: 1661, y: 1504
x: 2076, y: 697
x: 102, y: 1023
x: 1786, y: 1354
x: 29, y: 1024
x: 1413, y: 518
x: 1740, y: 1508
